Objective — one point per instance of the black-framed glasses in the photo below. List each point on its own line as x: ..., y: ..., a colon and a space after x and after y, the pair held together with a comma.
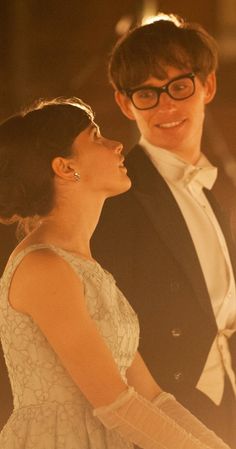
x: 147, y: 97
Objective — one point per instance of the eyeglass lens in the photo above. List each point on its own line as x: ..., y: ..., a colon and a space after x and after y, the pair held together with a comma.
x: 148, y: 97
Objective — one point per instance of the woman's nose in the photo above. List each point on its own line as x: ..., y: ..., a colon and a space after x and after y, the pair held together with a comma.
x: 118, y: 146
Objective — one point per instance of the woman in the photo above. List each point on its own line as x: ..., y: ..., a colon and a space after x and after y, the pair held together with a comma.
x: 69, y: 336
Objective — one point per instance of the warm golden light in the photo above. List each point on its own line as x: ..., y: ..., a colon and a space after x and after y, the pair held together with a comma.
x: 161, y: 16
x: 124, y: 25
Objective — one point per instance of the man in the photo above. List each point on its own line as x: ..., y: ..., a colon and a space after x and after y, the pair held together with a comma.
x: 166, y: 241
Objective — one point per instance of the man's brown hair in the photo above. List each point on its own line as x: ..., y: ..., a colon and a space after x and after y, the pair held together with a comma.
x: 146, y: 51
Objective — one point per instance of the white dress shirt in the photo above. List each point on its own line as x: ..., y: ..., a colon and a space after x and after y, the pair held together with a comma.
x: 186, y: 182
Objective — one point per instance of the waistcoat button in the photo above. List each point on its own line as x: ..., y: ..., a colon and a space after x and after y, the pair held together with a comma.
x: 176, y: 332
x: 178, y: 376
x: 174, y: 286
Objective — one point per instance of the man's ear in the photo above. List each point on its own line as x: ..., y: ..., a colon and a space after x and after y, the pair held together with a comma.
x: 63, y: 168
x: 210, y: 87
x: 124, y: 104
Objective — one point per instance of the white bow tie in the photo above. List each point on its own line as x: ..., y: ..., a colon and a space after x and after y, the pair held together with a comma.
x: 200, y: 177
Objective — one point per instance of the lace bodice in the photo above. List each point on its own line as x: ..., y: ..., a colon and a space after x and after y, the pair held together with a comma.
x: 49, y: 409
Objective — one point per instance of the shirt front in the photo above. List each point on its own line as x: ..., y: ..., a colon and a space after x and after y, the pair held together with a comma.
x: 186, y: 183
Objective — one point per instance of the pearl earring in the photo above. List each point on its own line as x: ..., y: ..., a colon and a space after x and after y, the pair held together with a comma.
x: 77, y: 176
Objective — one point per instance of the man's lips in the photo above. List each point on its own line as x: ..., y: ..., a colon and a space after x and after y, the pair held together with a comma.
x: 172, y: 124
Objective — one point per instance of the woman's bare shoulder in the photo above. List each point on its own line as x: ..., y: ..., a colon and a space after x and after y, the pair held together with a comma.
x: 41, y: 274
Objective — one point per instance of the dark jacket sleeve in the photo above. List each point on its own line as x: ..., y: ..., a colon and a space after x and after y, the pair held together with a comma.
x: 232, y: 348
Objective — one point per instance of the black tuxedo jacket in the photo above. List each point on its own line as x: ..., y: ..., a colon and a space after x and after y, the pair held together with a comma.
x: 143, y: 240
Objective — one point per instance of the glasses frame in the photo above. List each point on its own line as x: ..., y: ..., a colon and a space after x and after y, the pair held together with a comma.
x: 159, y: 90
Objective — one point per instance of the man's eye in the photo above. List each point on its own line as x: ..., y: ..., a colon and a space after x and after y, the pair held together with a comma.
x: 181, y: 85
x: 145, y: 93
x: 178, y: 87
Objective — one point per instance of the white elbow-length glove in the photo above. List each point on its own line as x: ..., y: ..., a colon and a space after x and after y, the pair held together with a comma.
x: 161, y: 424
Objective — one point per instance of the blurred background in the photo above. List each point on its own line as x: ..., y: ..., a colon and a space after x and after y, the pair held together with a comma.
x: 50, y: 48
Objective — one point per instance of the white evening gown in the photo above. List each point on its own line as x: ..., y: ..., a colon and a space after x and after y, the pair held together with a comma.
x: 50, y: 411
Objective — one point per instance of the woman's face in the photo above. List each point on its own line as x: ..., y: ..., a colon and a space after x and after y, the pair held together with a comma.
x: 100, y: 162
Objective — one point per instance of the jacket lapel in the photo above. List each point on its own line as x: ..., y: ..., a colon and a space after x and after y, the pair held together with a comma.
x: 154, y: 195
x: 225, y: 226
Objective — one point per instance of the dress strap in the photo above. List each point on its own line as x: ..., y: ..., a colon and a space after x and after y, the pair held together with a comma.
x: 77, y: 263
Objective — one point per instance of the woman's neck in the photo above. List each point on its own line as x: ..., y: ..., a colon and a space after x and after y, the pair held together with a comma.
x: 69, y: 227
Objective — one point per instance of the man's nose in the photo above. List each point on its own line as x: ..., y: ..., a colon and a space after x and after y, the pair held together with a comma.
x: 166, y: 102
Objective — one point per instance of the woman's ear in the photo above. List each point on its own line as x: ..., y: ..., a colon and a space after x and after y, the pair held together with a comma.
x: 124, y: 104
x: 210, y: 87
x: 63, y: 168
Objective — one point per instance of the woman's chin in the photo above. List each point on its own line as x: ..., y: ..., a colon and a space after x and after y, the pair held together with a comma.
x: 122, y: 188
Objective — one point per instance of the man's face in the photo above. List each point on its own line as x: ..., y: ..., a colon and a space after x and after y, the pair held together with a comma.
x: 175, y: 125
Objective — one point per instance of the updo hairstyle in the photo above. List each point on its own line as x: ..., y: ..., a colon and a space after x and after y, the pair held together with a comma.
x: 29, y: 141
